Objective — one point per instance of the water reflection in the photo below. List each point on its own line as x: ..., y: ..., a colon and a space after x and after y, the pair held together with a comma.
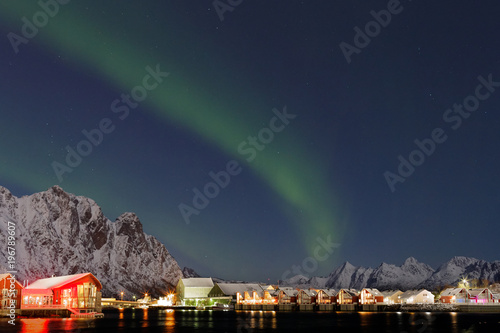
x: 34, y: 325
x: 170, y: 321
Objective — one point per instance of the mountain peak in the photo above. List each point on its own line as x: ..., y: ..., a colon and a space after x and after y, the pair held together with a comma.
x: 189, y: 273
x: 410, y: 261
x: 72, y: 235
x: 347, y: 265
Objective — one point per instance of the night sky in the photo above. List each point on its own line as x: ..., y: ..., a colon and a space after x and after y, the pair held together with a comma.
x: 302, y: 114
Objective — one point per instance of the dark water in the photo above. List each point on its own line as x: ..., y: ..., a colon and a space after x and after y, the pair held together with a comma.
x: 139, y: 320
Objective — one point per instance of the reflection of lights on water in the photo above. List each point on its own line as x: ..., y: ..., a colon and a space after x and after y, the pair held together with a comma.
x: 34, y: 325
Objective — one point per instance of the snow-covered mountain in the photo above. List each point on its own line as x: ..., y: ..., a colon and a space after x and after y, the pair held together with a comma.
x: 452, y: 271
x: 349, y: 276
x: 58, y: 233
x: 189, y: 273
x: 403, y: 277
x: 411, y: 274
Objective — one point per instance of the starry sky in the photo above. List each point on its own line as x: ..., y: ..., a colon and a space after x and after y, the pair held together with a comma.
x: 370, y: 125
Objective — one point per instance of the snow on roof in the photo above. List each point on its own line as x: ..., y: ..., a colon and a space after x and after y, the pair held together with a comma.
x: 390, y: 293
x: 198, y: 282
x: 289, y: 291
x: 409, y: 293
x: 233, y: 288
x: 412, y: 293
x: 8, y: 275
x: 55, y: 282
x: 349, y: 292
x: 374, y: 292
x: 451, y: 291
x: 309, y: 292
x: 328, y: 292
x: 476, y: 291
x: 4, y: 276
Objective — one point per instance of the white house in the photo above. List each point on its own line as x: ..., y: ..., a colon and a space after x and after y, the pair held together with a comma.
x: 391, y: 296
x: 417, y: 297
x: 192, y: 290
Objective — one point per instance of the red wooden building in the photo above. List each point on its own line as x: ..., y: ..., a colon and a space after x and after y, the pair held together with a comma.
x: 80, y: 292
x: 306, y: 296
x: 11, y: 292
x: 347, y: 296
x: 326, y: 296
x: 371, y: 296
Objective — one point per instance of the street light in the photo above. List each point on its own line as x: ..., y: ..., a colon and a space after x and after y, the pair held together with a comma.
x: 122, y: 295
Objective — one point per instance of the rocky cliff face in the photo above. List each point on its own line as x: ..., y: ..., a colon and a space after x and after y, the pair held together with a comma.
x: 59, y: 233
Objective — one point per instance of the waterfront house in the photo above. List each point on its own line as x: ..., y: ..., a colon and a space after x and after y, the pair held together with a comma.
x: 391, y: 296
x: 287, y: 295
x: 11, y: 292
x: 235, y: 292
x: 307, y: 296
x: 78, y: 292
x: 480, y: 296
x: 370, y: 296
x: 193, y: 291
x: 270, y: 297
x: 417, y: 297
x: 252, y: 297
x: 454, y: 295
x: 496, y: 298
x: 326, y: 296
x: 347, y: 296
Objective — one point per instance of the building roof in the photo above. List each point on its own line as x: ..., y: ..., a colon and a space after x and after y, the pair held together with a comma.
x: 409, y: 293
x: 412, y: 293
x: 349, y: 292
x: 7, y: 275
x: 308, y: 292
x: 451, y: 291
x: 59, y: 281
x: 373, y: 291
x: 198, y: 282
x: 476, y: 291
x: 390, y: 293
x: 328, y: 292
x: 289, y: 291
x: 233, y: 288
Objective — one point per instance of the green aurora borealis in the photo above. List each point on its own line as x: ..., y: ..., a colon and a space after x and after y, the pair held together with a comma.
x: 189, y: 100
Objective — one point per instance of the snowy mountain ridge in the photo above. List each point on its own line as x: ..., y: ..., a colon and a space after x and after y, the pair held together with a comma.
x: 412, y: 274
x: 58, y: 233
